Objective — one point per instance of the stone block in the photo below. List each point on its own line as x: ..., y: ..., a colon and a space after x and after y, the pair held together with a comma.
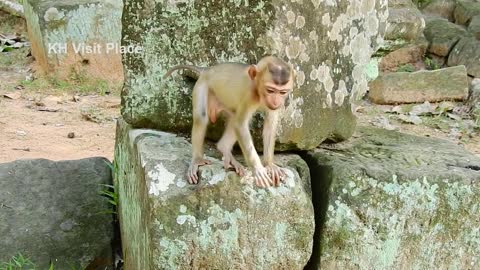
x: 396, y: 201
x: 224, y: 222
x: 76, y: 38
x: 328, y: 44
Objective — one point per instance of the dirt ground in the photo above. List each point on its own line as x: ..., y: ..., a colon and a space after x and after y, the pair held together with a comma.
x: 61, y: 121
x: 31, y: 131
x: 45, y: 118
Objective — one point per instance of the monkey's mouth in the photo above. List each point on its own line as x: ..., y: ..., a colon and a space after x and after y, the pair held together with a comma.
x: 273, y: 107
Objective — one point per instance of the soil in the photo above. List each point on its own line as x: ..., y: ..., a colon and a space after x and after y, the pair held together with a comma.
x: 47, y: 121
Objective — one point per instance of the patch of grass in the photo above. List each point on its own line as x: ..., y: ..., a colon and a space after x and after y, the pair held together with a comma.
x: 14, y: 58
x: 18, y: 262
x: 76, y: 82
x: 406, y: 68
x: 421, y: 3
x: 437, y: 122
x: 431, y: 64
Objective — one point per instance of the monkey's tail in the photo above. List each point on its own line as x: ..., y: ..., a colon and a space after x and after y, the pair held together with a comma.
x: 196, y: 70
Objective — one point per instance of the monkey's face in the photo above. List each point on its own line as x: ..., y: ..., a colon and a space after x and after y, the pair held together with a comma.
x: 274, y: 95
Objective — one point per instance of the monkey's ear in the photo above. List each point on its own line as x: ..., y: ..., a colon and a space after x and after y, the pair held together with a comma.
x: 252, y: 72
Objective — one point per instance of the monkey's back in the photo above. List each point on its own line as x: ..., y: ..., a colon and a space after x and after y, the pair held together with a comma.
x: 229, y: 82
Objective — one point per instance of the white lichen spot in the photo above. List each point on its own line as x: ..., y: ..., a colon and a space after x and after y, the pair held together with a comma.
x: 52, y: 14
x: 304, y: 57
x: 316, y: 3
x: 184, y: 218
x: 353, y: 32
x: 300, y: 22
x: 328, y: 100
x: 294, y: 47
x: 290, y: 17
x: 314, y: 74
x: 293, y: 113
x: 361, y: 50
x: 326, y: 19
x: 217, y: 178
x: 290, y: 178
x: 300, y: 78
x: 341, y: 93
x: 313, y: 36
x: 183, y: 209
x: 181, y: 183
x: 160, y: 179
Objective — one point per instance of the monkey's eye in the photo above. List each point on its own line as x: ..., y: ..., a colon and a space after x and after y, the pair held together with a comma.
x: 270, y: 91
x: 283, y: 92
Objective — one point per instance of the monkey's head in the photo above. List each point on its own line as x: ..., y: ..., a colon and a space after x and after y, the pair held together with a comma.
x: 273, y: 79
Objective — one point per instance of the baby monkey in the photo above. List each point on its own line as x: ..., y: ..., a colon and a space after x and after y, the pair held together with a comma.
x: 239, y: 90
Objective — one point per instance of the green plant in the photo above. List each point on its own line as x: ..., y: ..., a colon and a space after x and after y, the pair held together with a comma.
x: 109, y: 191
x: 421, y: 3
x: 17, y: 262
x: 431, y: 64
x: 406, y: 68
x: 111, y: 195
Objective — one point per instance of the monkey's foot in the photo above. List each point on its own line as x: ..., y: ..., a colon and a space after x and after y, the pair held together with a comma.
x: 262, y: 179
x: 192, y: 172
x: 276, y: 173
x: 230, y: 162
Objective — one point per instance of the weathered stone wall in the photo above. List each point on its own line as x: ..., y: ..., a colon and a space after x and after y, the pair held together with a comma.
x: 76, y: 36
x: 329, y: 43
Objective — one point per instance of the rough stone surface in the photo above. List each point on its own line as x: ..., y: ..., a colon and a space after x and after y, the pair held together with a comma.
x: 404, y: 22
x: 465, y: 10
x: 403, y: 87
x: 440, y: 8
x: 52, y: 211
x: 75, y: 38
x: 474, y: 26
x: 222, y: 223
x: 442, y: 36
x: 328, y: 43
x: 396, y: 201
x: 410, y: 54
x: 474, y: 100
x: 466, y: 52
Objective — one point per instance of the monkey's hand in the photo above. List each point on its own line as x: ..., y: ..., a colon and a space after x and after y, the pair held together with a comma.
x: 276, y: 173
x: 262, y: 179
x: 192, y: 172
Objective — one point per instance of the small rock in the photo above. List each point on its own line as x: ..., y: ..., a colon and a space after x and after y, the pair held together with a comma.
x: 465, y: 10
x: 404, y: 23
x: 440, y: 8
x: 474, y: 26
x: 423, y: 109
x: 412, y: 119
x: 71, y: 135
x: 21, y: 133
x: 466, y: 52
x: 13, y: 96
x: 454, y: 116
x: 406, y: 55
x: 442, y: 36
x: 383, y: 122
